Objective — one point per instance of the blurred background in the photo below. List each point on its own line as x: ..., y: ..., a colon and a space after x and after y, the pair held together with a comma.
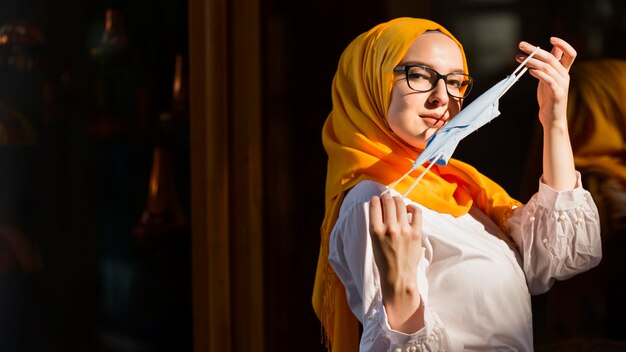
x: 162, y: 173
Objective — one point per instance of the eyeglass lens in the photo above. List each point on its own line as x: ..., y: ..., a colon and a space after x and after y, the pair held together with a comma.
x: 424, y: 79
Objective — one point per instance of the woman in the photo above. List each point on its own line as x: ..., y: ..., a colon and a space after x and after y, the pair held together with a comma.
x: 452, y: 266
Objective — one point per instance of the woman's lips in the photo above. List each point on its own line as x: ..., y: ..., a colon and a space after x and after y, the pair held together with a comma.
x: 432, y: 121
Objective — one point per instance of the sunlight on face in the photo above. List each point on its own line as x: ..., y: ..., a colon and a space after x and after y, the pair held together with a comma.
x: 416, y: 116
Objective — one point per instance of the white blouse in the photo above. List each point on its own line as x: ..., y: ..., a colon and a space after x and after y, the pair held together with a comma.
x: 474, y: 287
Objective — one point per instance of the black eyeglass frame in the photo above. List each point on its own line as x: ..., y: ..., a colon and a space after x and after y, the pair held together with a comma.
x: 406, y: 68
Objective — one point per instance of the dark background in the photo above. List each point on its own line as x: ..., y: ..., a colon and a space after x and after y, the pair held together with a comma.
x: 75, y: 189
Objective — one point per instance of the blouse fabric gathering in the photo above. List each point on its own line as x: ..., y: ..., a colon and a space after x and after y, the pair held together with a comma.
x: 475, y: 287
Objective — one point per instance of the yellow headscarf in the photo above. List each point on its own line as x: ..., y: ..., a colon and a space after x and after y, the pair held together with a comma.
x: 597, y: 115
x: 360, y: 146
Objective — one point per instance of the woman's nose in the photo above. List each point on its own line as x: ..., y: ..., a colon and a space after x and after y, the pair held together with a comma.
x: 439, y: 94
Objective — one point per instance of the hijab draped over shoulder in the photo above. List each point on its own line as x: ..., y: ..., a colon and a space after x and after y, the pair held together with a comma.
x: 360, y: 146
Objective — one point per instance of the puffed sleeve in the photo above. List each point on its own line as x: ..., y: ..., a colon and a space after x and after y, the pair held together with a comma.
x: 558, y: 235
x: 351, y: 257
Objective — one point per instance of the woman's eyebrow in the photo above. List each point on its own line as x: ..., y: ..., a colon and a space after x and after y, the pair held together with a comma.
x: 409, y: 63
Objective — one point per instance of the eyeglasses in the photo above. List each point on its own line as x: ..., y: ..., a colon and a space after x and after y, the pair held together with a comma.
x: 422, y: 78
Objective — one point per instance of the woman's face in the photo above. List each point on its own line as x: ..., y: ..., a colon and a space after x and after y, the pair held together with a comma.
x: 416, y: 116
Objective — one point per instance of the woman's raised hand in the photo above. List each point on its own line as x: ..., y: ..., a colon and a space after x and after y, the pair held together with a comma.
x: 552, y: 70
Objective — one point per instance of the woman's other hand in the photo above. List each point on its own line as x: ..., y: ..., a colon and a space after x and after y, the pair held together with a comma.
x: 396, y: 231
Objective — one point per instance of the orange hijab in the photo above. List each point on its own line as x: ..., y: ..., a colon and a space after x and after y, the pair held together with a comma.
x: 597, y: 116
x: 360, y: 146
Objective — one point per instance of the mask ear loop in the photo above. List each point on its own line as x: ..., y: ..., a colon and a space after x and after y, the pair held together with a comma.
x: 395, y: 183
x: 521, y: 67
x: 417, y: 180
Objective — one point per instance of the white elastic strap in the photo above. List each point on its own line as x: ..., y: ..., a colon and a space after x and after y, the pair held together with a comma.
x: 523, y: 70
x: 525, y: 61
x: 391, y: 186
x: 417, y: 180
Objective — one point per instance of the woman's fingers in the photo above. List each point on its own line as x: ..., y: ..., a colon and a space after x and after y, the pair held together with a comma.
x: 386, y: 214
x: 556, y: 52
x: 401, y: 216
x: 542, y: 60
x: 416, y: 217
x: 377, y: 226
x: 389, y: 215
x: 561, y: 57
x: 389, y: 209
x: 565, y: 50
x: 551, y: 68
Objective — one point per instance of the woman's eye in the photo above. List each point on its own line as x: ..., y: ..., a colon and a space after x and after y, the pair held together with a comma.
x: 417, y: 76
x: 455, y: 83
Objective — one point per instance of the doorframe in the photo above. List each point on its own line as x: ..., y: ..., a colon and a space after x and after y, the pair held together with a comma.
x: 226, y: 170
